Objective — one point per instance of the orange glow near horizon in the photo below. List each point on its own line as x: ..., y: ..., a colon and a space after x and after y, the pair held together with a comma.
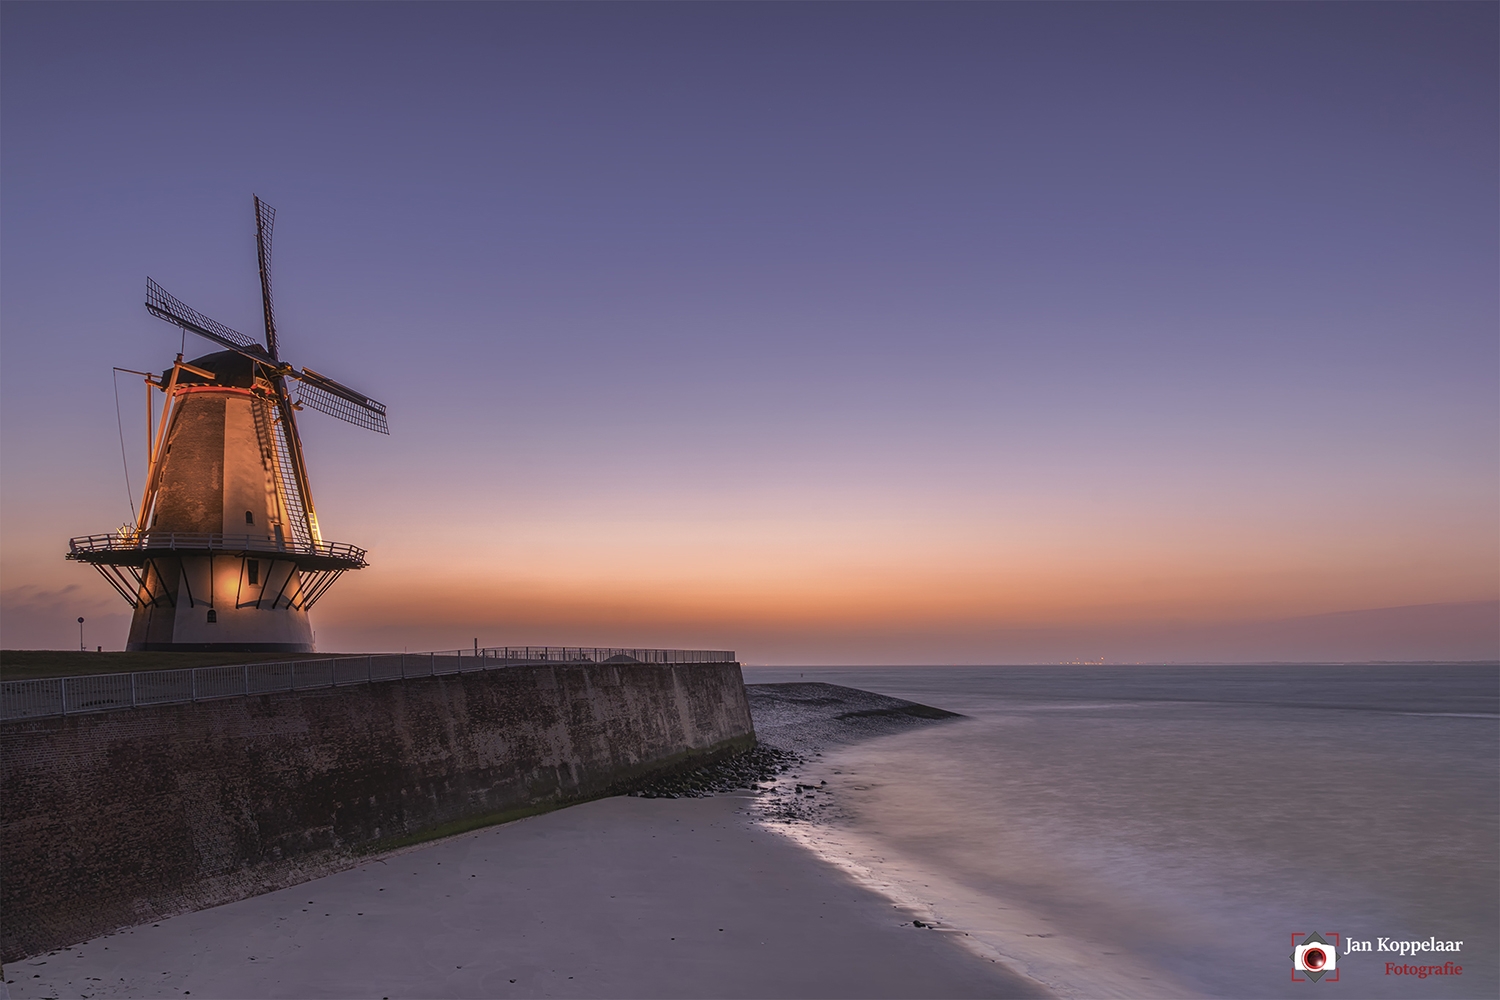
x: 829, y: 569
x: 912, y: 571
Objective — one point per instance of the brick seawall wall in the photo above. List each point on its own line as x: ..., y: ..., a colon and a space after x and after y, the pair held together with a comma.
x: 118, y: 818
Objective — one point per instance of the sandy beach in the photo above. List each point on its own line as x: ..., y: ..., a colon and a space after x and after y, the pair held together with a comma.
x: 621, y: 897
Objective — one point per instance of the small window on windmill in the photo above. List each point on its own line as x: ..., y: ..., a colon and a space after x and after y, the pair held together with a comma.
x: 213, y: 616
x: 252, y: 568
x: 249, y: 517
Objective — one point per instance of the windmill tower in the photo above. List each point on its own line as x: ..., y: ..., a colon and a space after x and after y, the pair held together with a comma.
x: 226, y: 553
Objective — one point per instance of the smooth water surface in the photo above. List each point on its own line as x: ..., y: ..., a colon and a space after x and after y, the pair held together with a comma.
x: 1194, y: 818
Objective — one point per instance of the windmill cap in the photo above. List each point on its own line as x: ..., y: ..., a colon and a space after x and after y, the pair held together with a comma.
x: 230, y: 368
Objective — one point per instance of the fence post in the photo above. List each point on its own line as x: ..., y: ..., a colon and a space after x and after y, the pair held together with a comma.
x: 369, y: 669
x: 403, y: 665
x: 194, y: 678
x: 132, y: 690
x: 247, y: 680
x: 62, y: 686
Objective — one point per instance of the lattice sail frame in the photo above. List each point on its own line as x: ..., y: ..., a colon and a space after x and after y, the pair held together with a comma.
x: 265, y: 224
x: 327, y: 396
x: 163, y: 305
x: 272, y: 435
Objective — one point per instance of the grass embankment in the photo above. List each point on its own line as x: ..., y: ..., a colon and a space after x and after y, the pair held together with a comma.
x: 27, y: 664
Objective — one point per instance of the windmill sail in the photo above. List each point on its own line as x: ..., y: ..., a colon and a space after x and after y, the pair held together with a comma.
x: 324, y: 394
x: 265, y: 222
x: 298, y: 513
x: 162, y: 304
x: 293, y: 512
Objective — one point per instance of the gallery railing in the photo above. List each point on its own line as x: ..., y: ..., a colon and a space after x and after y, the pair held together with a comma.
x: 95, y: 548
x: 43, y: 697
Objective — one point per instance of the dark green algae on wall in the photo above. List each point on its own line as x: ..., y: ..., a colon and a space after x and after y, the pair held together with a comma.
x: 116, y: 818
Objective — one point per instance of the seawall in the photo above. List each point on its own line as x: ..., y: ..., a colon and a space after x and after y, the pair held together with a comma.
x: 116, y: 818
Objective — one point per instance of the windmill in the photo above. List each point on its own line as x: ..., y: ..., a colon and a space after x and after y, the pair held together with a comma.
x: 226, y: 553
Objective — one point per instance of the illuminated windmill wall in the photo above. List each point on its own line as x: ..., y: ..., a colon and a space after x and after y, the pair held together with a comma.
x: 226, y: 553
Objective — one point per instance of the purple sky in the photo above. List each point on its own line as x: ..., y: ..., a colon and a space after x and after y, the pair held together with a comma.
x: 823, y: 332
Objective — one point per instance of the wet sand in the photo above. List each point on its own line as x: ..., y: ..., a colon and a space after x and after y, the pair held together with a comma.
x: 622, y: 897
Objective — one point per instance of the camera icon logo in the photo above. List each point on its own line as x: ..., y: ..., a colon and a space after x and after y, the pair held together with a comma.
x: 1315, y: 956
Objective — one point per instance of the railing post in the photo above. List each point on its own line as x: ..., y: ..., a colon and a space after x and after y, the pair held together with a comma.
x: 194, y: 678
x: 247, y: 680
x: 369, y: 670
x: 62, y: 687
x: 132, y: 690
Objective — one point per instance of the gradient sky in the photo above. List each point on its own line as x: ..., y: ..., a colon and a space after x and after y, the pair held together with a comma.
x: 827, y: 333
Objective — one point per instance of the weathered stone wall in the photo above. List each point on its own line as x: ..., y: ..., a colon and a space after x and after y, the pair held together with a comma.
x: 116, y: 818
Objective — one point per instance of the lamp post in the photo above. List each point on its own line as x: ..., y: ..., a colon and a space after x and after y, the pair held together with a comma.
x: 81, y: 647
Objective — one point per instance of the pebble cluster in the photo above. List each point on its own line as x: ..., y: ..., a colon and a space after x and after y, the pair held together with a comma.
x: 803, y: 803
x: 745, y: 771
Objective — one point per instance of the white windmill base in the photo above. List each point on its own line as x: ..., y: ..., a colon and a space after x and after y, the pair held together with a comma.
x: 232, y: 618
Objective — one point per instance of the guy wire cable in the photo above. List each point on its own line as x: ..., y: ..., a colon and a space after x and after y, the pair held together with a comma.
x: 120, y: 426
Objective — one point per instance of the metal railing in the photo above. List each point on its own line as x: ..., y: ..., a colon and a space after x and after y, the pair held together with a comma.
x: 603, y: 654
x: 92, y: 545
x: 52, y: 696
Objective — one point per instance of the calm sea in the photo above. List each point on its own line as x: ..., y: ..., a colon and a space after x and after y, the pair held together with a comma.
x: 1141, y: 831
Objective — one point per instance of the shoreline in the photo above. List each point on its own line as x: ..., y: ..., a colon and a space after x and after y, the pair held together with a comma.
x: 1003, y: 931
x: 619, y: 897
x: 1101, y: 827
x: 827, y: 726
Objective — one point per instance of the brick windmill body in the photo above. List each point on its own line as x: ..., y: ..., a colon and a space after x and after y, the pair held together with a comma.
x: 226, y: 553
